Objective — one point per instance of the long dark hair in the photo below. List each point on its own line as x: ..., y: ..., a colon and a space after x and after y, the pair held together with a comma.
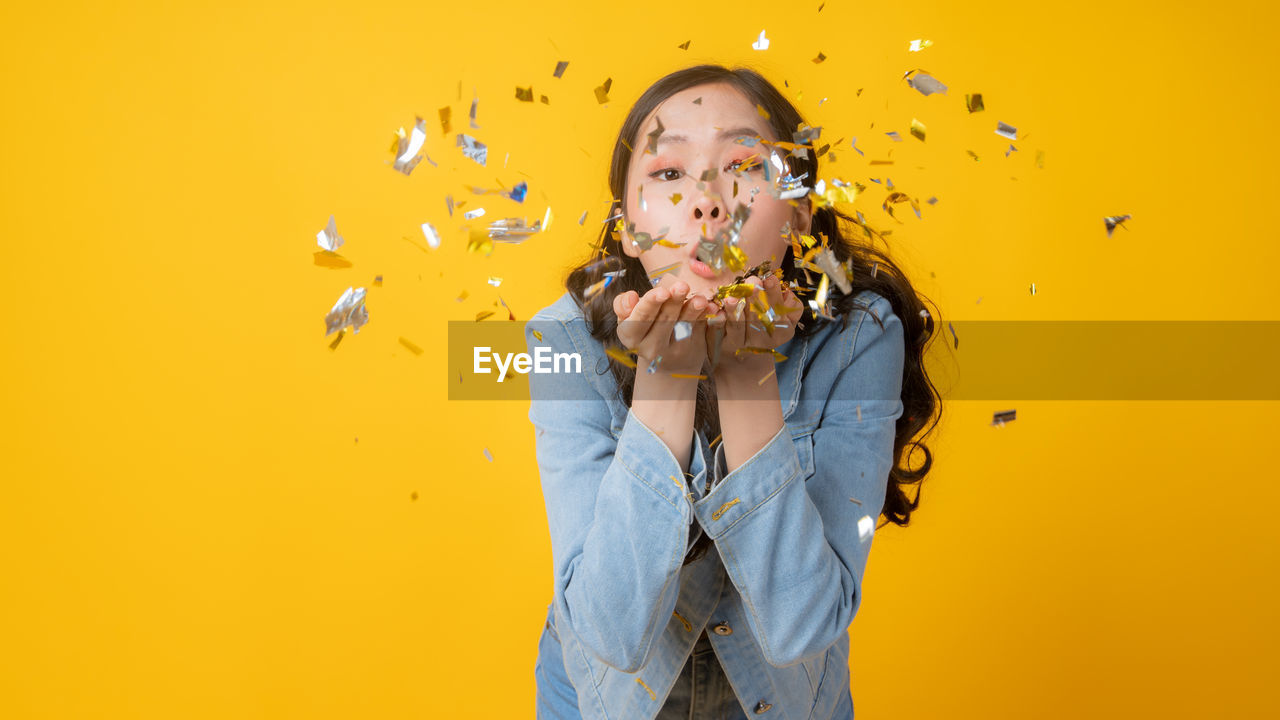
x: 872, y: 270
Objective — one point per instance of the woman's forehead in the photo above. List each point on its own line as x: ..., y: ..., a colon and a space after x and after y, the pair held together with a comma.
x: 701, y: 113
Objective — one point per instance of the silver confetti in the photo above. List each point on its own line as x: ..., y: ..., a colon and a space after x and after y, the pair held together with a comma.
x: 407, y: 157
x: 330, y: 240
x: 348, y: 311
x: 473, y: 148
x: 1006, y: 131
x: 432, y: 235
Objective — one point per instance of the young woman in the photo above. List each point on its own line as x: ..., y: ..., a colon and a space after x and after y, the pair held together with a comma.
x: 714, y: 469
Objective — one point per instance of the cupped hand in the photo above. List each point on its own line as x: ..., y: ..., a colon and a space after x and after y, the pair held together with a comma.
x: 744, y: 339
x: 646, y: 326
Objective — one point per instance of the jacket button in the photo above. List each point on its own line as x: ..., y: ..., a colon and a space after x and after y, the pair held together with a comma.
x: 723, y: 629
x: 762, y: 707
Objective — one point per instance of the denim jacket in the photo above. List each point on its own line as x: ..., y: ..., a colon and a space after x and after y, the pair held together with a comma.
x: 791, y: 527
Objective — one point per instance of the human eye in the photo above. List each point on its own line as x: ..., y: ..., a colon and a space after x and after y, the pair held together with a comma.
x: 748, y: 164
x: 665, y: 174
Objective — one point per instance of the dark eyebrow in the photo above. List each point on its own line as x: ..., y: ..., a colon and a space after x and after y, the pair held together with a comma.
x: 722, y: 135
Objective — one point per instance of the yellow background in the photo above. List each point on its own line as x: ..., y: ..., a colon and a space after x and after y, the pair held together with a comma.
x: 190, y: 527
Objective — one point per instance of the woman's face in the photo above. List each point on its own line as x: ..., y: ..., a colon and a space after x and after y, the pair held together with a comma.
x: 696, y: 137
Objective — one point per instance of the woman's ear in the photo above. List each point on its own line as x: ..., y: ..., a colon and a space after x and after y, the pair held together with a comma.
x: 803, y: 216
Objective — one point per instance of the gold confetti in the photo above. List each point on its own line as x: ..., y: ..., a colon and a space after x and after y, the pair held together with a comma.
x: 622, y: 356
x: 1114, y: 221
x: 1004, y: 416
x: 777, y: 356
x: 602, y: 92
x: 676, y: 197
x: 918, y: 45
x: 560, y: 67
x: 444, y: 119
x: 524, y: 94
x: 537, y: 335
x: 974, y: 102
x: 917, y: 129
x: 413, y: 348
x: 768, y: 375
x: 483, y: 314
x: 684, y: 45
x: 1040, y: 159
x: 820, y: 58
x: 688, y: 377
x: 763, y: 113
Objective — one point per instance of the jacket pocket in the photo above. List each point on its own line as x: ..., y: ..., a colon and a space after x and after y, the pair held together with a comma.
x: 814, y: 670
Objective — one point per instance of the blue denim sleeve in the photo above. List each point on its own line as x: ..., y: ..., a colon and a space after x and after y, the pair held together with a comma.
x: 795, y: 547
x: 618, y: 509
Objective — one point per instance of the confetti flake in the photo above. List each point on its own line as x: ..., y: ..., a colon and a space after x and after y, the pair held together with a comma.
x: 518, y: 192
x: 560, y: 67
x: 918, y: 45
x: 1033, y: 288
x: 602, y: 92
x: 953, y: 335
x: 473, y: 148
x: 488, y: 455
x: 819, y: 59
x: 473, y: 214
x: 483, y: 314
x: 1004, y: 416
x: 866, y: 528
x: 652, y: 147
x: 974, y: 102
x: 431, y: 234
x: 682, y: 330
x: 582, y: 219
x: 1006, y: 131
x: 761, y: 43
x: 622, y: 356
x: 684, y: 45
x: 330, y: 240
x: 407, y: 147
x: 412, y: 348
x: 1040, y: 159
x: 445, y: 112
x: 1113, y: 221
x: 925, y: 83
x: 524, y: 94
x: 917, y: 129
x: 676, y: 197
x: 474, y: 103
x: 762, y: 112
x: 349, y: 311
x: 448, y: 201
x: 495, y: 281
x: 1011, y: 149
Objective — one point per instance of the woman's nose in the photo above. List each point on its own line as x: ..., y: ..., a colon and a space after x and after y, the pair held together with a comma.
x: 705, y: 207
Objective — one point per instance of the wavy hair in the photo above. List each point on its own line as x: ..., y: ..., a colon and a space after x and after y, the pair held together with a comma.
x: 872, y: 270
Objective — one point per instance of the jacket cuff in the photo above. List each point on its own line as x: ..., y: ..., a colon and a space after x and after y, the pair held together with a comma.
x: 650, y: 461
x: 752, y: 484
